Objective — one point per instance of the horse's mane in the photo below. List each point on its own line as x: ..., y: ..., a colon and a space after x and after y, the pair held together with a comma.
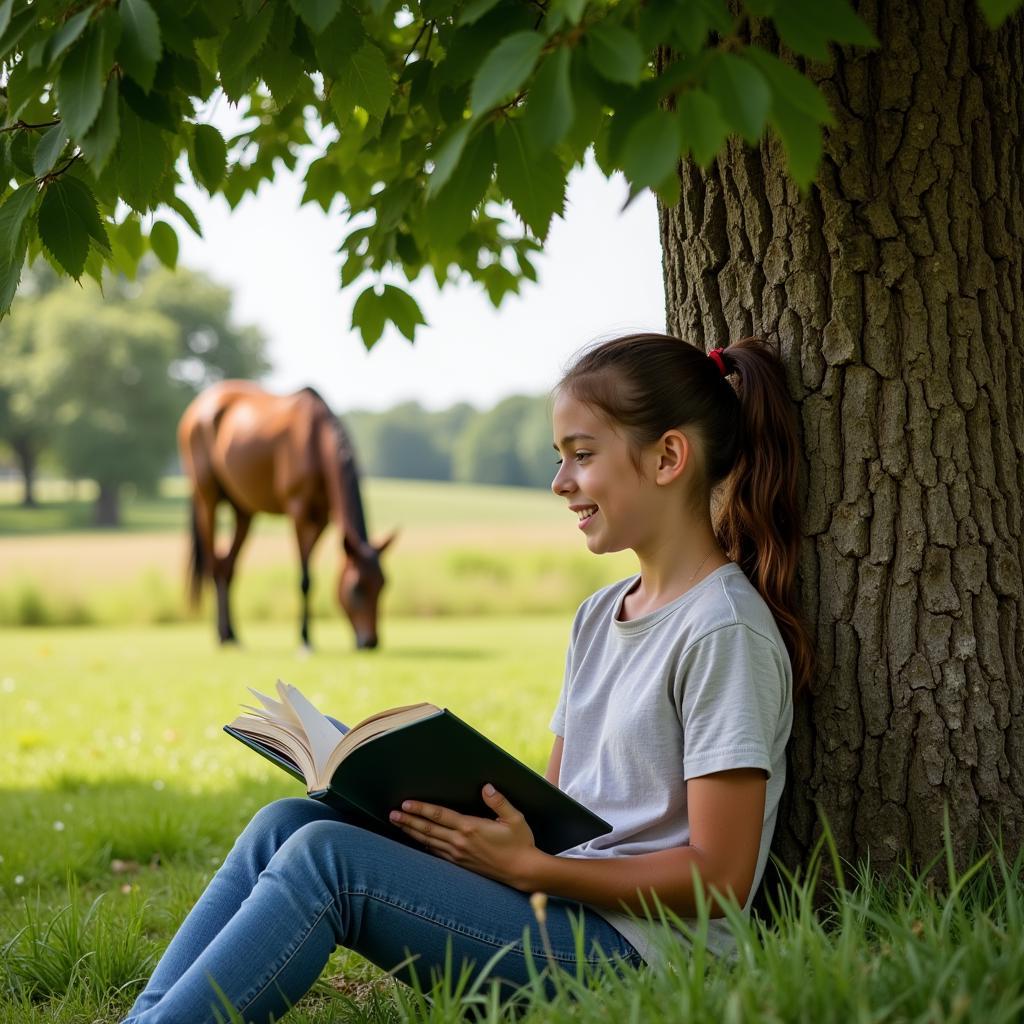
x: 347, y: 464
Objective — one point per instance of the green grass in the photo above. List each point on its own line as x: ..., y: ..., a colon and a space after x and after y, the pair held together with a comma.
x: 461, y: 550
x: 120, y: 795
x: 66, y: 506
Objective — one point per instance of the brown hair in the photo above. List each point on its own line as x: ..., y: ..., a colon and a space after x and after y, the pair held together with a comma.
x: 651, y: 383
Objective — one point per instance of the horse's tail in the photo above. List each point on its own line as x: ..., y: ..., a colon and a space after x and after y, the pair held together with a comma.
x: 196, y: 562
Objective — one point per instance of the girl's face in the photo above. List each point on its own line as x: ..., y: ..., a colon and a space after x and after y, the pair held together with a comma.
x: 598, y: 478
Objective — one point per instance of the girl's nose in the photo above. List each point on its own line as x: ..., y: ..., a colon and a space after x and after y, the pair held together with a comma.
x: 562, y: 484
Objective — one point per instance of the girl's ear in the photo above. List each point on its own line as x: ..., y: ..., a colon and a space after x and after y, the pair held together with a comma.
x: 674, y: 452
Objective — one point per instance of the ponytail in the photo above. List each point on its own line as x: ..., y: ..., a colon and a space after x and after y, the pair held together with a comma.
x: 756, y: 518
x: 651, y: 383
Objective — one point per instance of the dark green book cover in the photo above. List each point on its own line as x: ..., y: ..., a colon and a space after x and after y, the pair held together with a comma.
x: 442, y: 760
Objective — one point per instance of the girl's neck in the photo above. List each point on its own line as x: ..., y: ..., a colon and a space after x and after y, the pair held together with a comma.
x: 673, y: 566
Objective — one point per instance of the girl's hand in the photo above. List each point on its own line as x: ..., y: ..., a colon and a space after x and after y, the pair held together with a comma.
x: 501, y: 848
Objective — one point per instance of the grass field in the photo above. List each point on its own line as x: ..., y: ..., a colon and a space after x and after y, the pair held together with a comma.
x: 119, y: 794
x: 461, y: 550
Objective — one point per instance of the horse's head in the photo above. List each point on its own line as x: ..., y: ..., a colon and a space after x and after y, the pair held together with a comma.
x: 359, y: 585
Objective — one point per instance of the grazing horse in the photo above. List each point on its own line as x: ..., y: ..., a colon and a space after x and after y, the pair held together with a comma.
x: 283, y: 454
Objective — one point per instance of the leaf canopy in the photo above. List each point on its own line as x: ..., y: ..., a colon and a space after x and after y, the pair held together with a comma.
x: 446, y: 128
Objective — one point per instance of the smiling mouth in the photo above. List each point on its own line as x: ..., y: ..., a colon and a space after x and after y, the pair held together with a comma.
x: 586, y: 514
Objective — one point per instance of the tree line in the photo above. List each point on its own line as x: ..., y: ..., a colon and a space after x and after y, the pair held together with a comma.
x: 509, y: 444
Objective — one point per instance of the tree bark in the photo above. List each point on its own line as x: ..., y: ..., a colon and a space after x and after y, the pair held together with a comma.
x: 894, y: 291
x: 25, y: 453
x: 108, y: 505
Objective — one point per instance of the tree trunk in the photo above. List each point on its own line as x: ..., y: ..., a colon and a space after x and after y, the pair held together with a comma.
x: 894, y: 292
x: 25, y: 453
x: 108, y: 505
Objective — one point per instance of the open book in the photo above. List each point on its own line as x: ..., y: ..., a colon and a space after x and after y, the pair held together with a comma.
x: 415, y: 752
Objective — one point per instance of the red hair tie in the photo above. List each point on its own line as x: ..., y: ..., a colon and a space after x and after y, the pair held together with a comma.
x: 716, y: 355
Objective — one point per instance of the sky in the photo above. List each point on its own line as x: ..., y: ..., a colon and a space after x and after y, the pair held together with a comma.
x: 600, y: 275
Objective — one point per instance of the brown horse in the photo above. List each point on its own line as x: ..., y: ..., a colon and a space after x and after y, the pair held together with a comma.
x: 283, y: 454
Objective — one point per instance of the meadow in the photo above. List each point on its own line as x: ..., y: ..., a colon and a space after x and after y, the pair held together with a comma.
x: 119, y: 793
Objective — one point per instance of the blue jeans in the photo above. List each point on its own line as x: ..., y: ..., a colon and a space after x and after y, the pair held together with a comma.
x: 301, y: 879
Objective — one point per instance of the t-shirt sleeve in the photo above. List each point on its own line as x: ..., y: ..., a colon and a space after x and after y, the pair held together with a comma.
x: 730, y: 692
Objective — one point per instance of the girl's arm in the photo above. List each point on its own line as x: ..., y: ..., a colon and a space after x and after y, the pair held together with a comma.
x: 726, y: 811
x: 726, y: 814
x: 555, y: 761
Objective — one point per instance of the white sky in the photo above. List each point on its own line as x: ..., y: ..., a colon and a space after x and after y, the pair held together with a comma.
x: 600, y: 274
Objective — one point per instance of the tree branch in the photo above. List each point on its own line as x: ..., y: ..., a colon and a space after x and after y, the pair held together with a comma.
x: 18, y: 125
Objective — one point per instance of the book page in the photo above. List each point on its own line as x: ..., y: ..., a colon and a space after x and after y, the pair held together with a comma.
x: 275, y: 710
x: 321, y: 735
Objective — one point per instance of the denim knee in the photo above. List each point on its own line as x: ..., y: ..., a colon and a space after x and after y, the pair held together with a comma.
x: 282, y: 811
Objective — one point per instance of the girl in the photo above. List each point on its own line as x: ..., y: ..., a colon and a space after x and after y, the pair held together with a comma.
x: 672, y: 722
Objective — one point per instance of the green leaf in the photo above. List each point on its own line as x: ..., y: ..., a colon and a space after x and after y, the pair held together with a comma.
x: 801, y: 137
x: 209, y: 156
x: 80, y: 83
x: 446, y: 156
x: 402, y: 309
x: 369, y: 316
x: 5, y: 15
x: 475, y: 10
x: 84, y: 202
x: 24, y: 86
x: 807, y: 26
x: 140, y: 48
x: 449, y: 214
x: 49, y: 148
x: 701, y: 124
x: 317, y: 14
x: 616, y: 53
x: 589, y: 107
x: 244, y: 40
x: 185, y: 212
x: 573, y: 9
x: 143, y: 160
x: 67, y: 218
x: 652, y: 149
x: 333, y: 48
x: 163, y: 240
x: 154, y: 106
x: 742, y: 94
x: 798, y: 91
x: 19, y: 25
x: 504, y: 70
x: 100, y: 140
x: 66, y: 35
x: 534, y: 182
x: 366, y: 80
x: 127, y: 246
x: 550, y: 108
x: 282, y: 70
x: 13, y: 241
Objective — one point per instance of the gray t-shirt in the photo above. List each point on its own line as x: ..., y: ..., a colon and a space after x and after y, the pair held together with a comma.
x: 700, y: 685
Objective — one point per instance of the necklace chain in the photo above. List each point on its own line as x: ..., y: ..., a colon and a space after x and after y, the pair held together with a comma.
x: 701, y: 566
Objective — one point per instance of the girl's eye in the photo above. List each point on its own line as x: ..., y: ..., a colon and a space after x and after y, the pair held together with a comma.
x: 577, y: 456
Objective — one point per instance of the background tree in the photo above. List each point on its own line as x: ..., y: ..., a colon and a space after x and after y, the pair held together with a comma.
x: 491, y: 448
x: 405, y: 442
x: 101, y: 373
x: 890, y: 278
x: 44, y: 395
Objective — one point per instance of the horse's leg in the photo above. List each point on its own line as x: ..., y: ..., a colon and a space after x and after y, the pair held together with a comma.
x: 308, y: 528
x: 206, y: 498
x: 224, y: 572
